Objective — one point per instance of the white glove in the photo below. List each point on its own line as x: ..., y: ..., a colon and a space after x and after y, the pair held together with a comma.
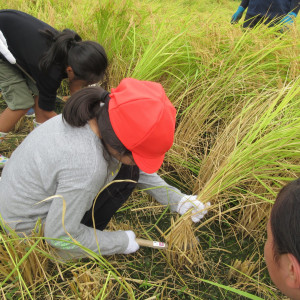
x: 132, y: 245
x: 4, y: 49
x: 188, y: 202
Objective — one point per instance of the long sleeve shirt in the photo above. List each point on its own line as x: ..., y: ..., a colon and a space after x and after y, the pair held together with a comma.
x: 57, y: 159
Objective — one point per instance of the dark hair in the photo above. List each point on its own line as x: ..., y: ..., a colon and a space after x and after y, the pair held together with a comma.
x: 84, y: 105
x: 285, y: 220
x: 87, y: 58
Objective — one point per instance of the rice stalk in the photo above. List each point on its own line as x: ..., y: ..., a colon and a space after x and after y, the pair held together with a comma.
x: 183, y: 246
x: 259, y: 145
x: 241, y: 268
x: 223, y: 68
x: 89, y: 283
x: 23, y: 260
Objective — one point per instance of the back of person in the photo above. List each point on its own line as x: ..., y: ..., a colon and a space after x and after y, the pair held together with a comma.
x: 269, y: 8
x: 27, y: 44
x: 269, y: 12
x: 34, y: 60
x: 70, y: 158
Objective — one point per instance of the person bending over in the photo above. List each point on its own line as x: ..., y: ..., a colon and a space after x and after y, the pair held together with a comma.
x: 47, y: 56
x: 99, y: 138
x: 267, y: 11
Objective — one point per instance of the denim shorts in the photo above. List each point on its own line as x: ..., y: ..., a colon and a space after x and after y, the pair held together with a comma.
x: 17, y: 89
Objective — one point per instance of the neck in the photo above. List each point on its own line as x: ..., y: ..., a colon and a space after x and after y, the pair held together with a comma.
x: 94, y: 126
x: 76, y: 85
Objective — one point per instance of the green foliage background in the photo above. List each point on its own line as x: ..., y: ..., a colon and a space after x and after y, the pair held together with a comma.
x: 236, y: 144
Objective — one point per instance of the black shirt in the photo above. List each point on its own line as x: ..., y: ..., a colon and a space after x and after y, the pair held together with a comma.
x: 26, y: 43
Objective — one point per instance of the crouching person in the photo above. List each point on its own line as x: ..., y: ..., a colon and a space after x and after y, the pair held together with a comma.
x: 100, y: 138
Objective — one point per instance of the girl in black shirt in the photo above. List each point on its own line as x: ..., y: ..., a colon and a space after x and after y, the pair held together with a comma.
x: 48, y: 56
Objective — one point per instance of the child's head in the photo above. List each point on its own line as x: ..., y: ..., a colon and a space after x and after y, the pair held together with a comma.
x: 137, y: 119
x: 282, y: 248
x: 143, y: 119
x: 87, y: 59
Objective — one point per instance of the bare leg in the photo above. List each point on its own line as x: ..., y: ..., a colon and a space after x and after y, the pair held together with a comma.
x: 42, y: 115
x: 9, y: 118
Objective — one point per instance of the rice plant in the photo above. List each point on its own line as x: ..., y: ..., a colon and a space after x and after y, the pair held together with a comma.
x: 236, y: 144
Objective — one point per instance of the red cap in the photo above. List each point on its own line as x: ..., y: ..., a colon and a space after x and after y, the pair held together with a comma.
x: 143, y: 119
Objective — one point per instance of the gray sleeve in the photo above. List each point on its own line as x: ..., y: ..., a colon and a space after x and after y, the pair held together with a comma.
x: 164, y: 193
x: 65, y: 222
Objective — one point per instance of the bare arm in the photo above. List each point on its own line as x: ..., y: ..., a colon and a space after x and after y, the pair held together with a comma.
x: 42, y: 115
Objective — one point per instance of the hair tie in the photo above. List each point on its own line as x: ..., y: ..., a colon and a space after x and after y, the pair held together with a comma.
x: 77, y: 38
x: 105, y: 97
x: 72, y: 43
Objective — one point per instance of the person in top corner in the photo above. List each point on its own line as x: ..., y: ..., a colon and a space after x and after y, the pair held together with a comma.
x: 268, y: 11
x: 46, y: 57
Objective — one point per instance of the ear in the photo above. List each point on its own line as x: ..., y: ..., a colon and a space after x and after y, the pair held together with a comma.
x: 293, y: 279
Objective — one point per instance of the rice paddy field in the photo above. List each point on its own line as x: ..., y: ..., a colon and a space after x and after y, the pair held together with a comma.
x: 237, y: 142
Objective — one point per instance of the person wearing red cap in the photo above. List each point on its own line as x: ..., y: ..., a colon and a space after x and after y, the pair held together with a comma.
x: 107, y: 142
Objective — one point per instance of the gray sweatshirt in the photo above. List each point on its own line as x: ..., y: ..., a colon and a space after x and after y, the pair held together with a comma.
x: 57, y: 159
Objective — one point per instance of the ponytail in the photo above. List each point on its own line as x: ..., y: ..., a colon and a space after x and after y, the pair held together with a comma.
x: 84, y: 106
x: 87, y: 58
x: 60, y: 44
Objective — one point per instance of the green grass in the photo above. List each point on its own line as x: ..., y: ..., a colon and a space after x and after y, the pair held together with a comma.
x: 236, y: 144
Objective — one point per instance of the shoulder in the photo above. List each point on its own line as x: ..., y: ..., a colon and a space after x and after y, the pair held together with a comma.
x: 22, y: 22
x: 17, y: 16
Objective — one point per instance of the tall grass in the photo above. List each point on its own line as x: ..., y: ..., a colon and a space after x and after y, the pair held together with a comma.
x: 236, y: 143
x: 257, y: 151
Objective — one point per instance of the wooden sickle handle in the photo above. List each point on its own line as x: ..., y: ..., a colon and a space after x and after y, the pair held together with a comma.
x: 151, y: 244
